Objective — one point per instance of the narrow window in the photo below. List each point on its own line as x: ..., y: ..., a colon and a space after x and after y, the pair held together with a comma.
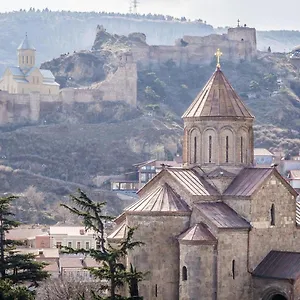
x: 242, y: 152
x: 233, y: 269
x: 272, y: 215
x: 195, y: 150
x: 87, y: 245
x: 184, y: 273
x: 209, y: 148
x: 26, y: 59
x: 227, y: 149
x: 78, y: 245
x: 23, y: 59
x: 156, y: 290
x: 70, y: 244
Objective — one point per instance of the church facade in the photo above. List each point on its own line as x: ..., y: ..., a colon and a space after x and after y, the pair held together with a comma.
x: 217, y: 228
x: 26, y: 78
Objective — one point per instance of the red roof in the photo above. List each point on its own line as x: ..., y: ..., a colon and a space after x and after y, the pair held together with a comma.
x: 217, y: 99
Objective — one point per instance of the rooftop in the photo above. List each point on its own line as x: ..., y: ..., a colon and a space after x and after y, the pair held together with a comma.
x: 262, y: 151
x: 160, y: 199
x: 217, y: 99
x: 26, y: 45
x: 199, y: 234
x: 279, y: 265
x: 222, y: 216
x: 70, y: 230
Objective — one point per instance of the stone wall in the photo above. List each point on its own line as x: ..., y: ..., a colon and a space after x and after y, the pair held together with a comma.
x: 120, y: 86
x: 238, y: 44
x: 159, y: 255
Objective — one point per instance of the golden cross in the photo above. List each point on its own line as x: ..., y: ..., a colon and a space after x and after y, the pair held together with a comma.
x: 218, y: 54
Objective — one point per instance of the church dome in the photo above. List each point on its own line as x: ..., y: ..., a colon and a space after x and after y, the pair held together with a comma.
x: 217, y: 99
x: 26, y: 45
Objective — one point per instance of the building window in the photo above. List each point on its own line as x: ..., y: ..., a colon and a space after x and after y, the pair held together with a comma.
x: 233, y: 269
x: 70, y: 244
x: 242, y: 152
x: 78, y: 245
x: 23, y: 59
x: 26, y: 59
x: 184, y: 273
x: 58, y: 245
x: 227, y: 149
x: 210, y: 149
x: 156, y: 292
x: 195, y: 150
x: 87, y: 245
x: 272, y: 212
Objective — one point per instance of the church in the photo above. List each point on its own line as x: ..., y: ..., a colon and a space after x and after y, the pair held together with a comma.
x: 217, y: 228
x: 26, y: 78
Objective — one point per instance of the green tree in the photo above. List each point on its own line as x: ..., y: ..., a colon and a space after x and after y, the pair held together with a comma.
x: 15, y: 268
x: 112, y: 273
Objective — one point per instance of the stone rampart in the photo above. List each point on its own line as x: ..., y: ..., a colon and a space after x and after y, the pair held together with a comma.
x: 119, y: 86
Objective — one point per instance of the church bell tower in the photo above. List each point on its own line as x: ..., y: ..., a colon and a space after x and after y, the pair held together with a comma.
x: 218, y: 127
x: 26, y: 55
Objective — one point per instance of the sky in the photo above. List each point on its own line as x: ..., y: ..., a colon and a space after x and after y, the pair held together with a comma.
x: 262, y: 14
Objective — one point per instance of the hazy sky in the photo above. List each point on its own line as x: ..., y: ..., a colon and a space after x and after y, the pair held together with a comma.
x: 262, y: 14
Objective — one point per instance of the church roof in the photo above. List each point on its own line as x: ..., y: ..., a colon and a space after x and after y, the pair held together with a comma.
x: 119, y: 233
x: 279, y: 265
x: 160, y: 199
x: 198, y: 234
x: 222, y: 216
x: 220, y: 172
x: 250, y: 179
x: 192, y: 181
x: 217, y: 99
x: 26, y: 45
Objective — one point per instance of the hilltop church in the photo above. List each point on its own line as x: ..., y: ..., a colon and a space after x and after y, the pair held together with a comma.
x: 26, y: 78
x: 217, y: 228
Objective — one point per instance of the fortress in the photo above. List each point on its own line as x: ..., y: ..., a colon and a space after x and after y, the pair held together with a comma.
x: 20, y: 102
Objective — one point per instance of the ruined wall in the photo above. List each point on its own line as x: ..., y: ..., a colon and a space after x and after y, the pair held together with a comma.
x: 120, y: 86
x: 239, y: 44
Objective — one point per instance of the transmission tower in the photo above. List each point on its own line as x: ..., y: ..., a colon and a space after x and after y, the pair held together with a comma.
x: 135, y: 6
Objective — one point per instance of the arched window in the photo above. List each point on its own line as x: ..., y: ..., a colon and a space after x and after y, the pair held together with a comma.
x: 242, y: 150
x: 184, y: 273
x: 272, y: 212
x: 227, y: 149
x: 195, y: 149
x: 233, y: 269
x: 210, y: 149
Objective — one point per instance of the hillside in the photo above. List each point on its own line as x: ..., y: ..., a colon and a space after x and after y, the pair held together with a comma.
x: 54, y: 33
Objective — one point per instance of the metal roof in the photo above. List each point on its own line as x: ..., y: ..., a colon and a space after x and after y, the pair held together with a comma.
x: 262, y: 152
x: 26, y: 45
x: 279, y: 265
x: 220, y: 172
x: 160, y: 199
x: 119, y: 233
x: 16, y: 71
x: 247, y: 181
x: 193, y: 182
x: 199, y: 233
x: 47, y: 74
x: 217, y: 99
x: 222, y: 216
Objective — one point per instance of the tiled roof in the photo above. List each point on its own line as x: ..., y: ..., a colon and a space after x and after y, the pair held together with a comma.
x: 217, y: 99
x: 161, y: 199
x: 119, y: 233
x: 198, y: 234
x: 222, y: 216
x: 192, y: 181
x: 247, y: 181
x: 262, y: 151
x: 279, y: 265
x: 26, y: 45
